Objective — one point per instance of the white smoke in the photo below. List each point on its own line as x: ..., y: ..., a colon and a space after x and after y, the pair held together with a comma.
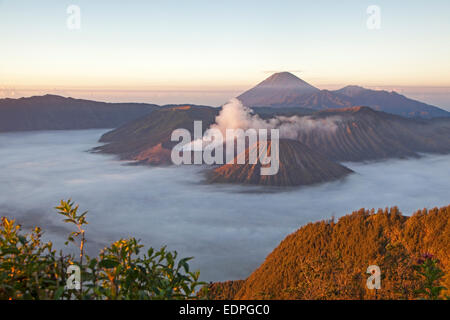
x: 234, y: 115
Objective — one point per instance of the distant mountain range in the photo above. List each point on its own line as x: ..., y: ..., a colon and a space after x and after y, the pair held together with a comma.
x: 51, y: 112
x: 286, y: 90
x: 147, y: 139
x: 365, y: 134
x: 405, y: 129
x: 360, y: 134
x: 281, y: 94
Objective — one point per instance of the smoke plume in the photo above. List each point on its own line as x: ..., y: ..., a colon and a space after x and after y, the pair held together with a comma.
x: 235, y: 115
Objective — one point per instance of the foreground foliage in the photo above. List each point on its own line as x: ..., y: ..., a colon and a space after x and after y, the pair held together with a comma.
x: 323, y: 260
x: 329, y: 260
x: 33, y: 269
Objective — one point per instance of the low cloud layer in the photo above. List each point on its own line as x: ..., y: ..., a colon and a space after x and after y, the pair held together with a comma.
x: 228, y: 229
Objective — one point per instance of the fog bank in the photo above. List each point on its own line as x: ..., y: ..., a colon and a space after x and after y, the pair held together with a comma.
x: 228, y: 229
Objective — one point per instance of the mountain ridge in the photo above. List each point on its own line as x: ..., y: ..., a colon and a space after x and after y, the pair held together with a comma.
x: 147, y: 139
x: 359, y: 134
x: 287, y: 90
x: 53, y: 112
x: 328, y: 259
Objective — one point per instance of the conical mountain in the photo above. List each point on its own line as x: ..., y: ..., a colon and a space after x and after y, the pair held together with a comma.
x: 285, y: 90
x: 287, y: 80
x: 277, y: 90
x: 298, y: 165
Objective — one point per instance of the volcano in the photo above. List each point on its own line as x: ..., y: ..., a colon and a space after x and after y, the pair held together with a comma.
x: 299, y: 165
x: 365, y: 134
x: 280, y: 89
x: 147, y: 139
x: 285, y: 90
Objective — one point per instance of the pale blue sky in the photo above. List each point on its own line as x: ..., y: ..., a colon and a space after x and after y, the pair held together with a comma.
x: 220, y: 46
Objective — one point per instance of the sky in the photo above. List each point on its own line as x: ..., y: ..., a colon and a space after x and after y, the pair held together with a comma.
x: 209, y: 51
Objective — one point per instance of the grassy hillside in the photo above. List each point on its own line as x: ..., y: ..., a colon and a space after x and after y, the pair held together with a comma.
x: 328, y: 259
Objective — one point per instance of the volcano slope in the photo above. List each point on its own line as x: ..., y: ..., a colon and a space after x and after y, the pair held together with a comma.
x: 365, y: 134
x: 298, y: 165
x: 309, y: 156
x: 147, y: 140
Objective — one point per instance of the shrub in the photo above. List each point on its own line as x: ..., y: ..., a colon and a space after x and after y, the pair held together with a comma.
x: 32, y: 269
x: 430, y: 275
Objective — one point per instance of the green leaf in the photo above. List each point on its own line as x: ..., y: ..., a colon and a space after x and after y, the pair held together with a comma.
x: 108, y: 263
x: 22, y: 239
x: 58, y: 293
x: 9, y: 250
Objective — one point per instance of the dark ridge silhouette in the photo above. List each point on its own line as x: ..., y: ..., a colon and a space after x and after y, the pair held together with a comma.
x: 51, y: 112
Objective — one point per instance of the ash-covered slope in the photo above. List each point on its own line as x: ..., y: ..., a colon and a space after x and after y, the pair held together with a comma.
x: 148, y: 139
x: 52, y: 112
x: 359, y: 134
x: 298, y: 165
x: 364, y: 134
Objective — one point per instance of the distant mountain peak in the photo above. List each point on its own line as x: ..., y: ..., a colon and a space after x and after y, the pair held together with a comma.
x: 351, y: 91
x: 285, y: 90
x: 354, y: 87
x: 277, y: 90
x: 286, y: 80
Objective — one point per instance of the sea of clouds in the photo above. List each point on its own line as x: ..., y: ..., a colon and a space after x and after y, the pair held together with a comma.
x: 229, y: 229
